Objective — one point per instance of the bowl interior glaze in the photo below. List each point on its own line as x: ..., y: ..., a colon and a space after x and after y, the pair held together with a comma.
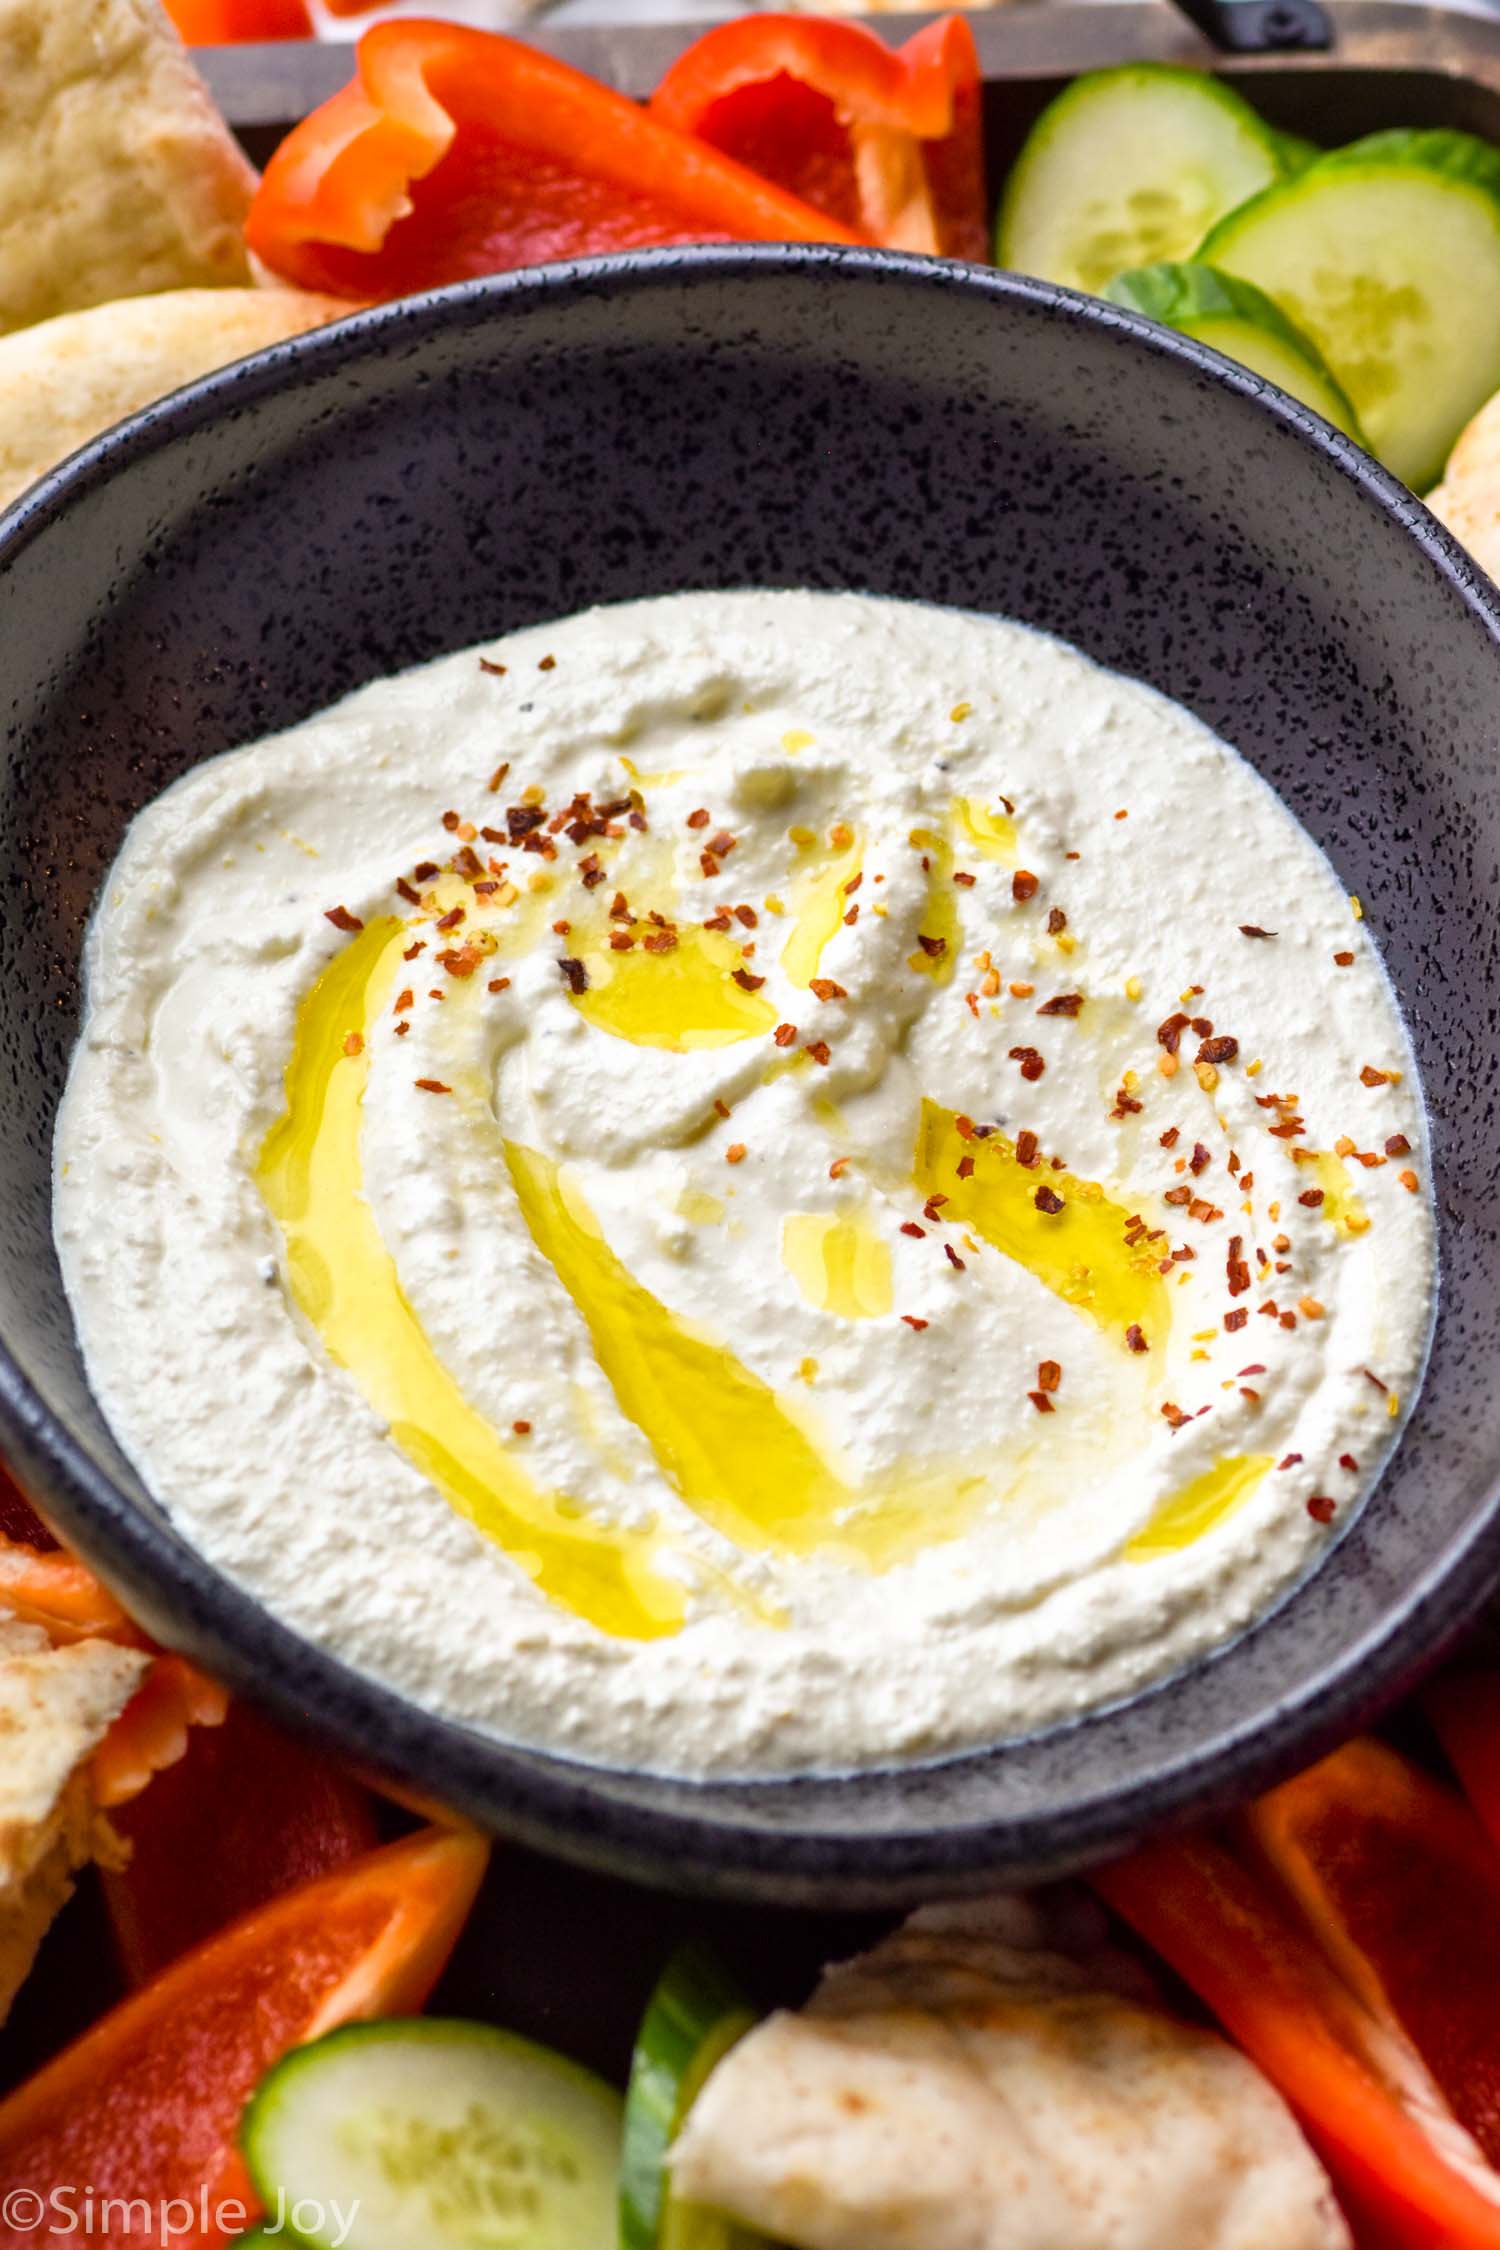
x: 456, y: 466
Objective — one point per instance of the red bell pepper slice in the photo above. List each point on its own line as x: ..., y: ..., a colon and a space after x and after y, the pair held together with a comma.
x: 225, y: 23
x: 1464, y: 1706
x: 147, y: 2104
x: 247, y: 1814
x: 1360, y: 2094
x: 889, y: 143
x: 458, y: 152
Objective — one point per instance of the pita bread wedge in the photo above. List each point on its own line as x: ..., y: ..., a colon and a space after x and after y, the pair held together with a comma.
x: 1468, y: 499
x: 65, y: 380
x: 117, y: 173
x: 56, y: 1706
x: 965, y: 2087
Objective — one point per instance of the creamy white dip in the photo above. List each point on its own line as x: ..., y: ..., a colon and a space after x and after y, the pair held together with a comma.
x: 963, y: 1258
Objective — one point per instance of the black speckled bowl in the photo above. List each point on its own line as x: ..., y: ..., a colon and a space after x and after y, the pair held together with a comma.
x: 456, y: 466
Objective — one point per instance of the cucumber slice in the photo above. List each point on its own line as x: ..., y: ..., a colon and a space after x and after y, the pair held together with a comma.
x: 693, y: 2018
x: 1240, y: 321
x: 1296, y: 154
x: 1127, y: 167
x: 1387, y: 255
x: 438, y: 2133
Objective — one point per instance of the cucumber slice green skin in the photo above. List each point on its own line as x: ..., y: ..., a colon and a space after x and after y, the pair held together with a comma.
x: 1387, y: 255
x: 452, y: 2135
x: 1127, y: 167
x: 693, y: 2018
x: 1243, y: 323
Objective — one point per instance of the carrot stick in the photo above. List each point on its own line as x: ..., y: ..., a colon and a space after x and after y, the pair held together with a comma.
x: 1225, y: 1933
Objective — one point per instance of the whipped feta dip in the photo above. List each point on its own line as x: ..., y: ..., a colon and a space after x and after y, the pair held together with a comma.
x: 743, y: 1183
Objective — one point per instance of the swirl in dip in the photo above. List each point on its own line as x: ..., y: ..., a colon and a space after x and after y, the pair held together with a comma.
x: 746, y: 1182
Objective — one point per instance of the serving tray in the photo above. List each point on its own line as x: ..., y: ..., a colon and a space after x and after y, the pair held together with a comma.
x: 1387, y: 63
x: 564, y: 1955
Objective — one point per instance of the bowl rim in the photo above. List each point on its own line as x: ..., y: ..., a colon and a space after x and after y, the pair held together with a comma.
x: 549, y: 1801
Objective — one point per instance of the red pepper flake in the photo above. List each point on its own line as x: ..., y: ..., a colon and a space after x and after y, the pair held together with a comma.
x: 1135, y: 1337
x: 1398, y: 1145
x: 660, y: 941
x: 1291, y: 1461
x: 1321, y: 1508
x: 722, y: 1107
x: 1174, y: 1414
x: 499, y: 984
x: 1252, y: 1396
x: 1027, y: 1146
x: 402, y: 1029
x: 748, y: 916
x: 575, y: 975
x: 520, y: 820
x: 1235, y: 1266
x: 1347, y: 1461
x: 497, y: 778
x: 1370, y: 1076
x: 404, y: 1000
x: 1311, y: 1198
x: 1030, y: 1061
x: 432, y: 1086
x: 700, y: 818
x: 820, y: 1051
x: 1408, y: 1180
x: 1169, y: 1034
x: 1178, y: 1195
x: 953, y: 1257
x: 461, y: 960
x: 424, y: 871
x: 965, y: 882
x: 912, y: 1321
x: 1048, y: 1375
x: 452, y: 920
x: 966, y: 1167
x: 964, y: 1126
x: 1199, y: 1160
x: 452, y: 819
x: 620, y: 941
x: 1344, y: 960
x: 1057, y: 921
x: 1250, y: 929
x: 413, y: 950
x: 735, y: 1153
x: 1048, y: 1200
x: 1222, y: 1050
x: 745, y: 981
x: 822, y: 988
x: 721, y: 844
x: 1024, y: 885
x: 561, y: 929
x: 341, y: 918
x: 1370, y: 1377
x: 1255, y: 1368
x: 838, y: 1167
x: 353, y: 1043
x: 408, y: 891
x: 931, y: 1208
x: 1171, y: 1136
x: 547, y: 664
x: 498, y: 670
x: 785, y: 1034
x: 1041, y: 1402
x: 1062, y: 1004
x: 933, y: 947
